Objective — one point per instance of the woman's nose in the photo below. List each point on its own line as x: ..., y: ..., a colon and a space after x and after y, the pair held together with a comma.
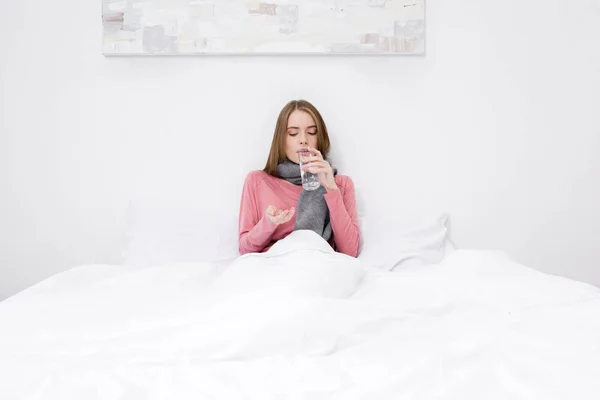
x: 303, y: 138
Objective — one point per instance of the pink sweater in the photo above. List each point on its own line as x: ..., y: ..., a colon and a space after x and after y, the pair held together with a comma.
x: 257, y: 233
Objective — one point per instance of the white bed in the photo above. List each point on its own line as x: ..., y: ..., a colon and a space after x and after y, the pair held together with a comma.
x: 302, y: 322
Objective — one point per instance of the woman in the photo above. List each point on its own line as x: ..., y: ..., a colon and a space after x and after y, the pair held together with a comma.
x: 273, y: 202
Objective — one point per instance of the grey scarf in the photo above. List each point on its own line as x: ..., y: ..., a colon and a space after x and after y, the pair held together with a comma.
x: 312, y: 212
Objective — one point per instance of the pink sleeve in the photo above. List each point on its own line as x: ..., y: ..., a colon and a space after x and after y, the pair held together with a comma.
x: 254, y: 232
x: 344, y: 220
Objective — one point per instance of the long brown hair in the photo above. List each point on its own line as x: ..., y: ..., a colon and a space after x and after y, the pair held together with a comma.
x: 277, y: 152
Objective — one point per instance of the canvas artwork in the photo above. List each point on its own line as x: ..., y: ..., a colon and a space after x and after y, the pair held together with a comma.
x: 198, y: 27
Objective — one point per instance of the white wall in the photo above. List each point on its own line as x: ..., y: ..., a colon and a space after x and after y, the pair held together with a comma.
x: 497, y: 125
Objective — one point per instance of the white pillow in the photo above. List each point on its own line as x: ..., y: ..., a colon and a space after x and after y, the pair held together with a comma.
x: 162, y: 232
x: 390, y: 243
x: 175, y: 231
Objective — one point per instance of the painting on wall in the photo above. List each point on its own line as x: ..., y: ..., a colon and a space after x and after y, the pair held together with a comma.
x: 197, y: 27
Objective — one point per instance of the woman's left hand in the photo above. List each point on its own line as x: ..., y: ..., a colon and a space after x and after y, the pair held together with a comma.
x: 317, y: 165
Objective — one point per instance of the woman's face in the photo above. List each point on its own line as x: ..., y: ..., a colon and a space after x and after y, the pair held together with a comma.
x: 301, y: 133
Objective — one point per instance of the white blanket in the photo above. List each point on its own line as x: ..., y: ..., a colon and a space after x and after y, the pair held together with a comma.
x: 303, y: 322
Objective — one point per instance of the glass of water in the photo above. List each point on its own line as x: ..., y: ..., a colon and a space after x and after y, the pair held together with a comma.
x: 310, y: 181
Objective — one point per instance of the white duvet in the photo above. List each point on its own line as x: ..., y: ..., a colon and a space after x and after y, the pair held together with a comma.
x: 303, y: 322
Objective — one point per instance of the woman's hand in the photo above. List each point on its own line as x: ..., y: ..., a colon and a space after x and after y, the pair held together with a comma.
x: 278, y: 217
x: 317, y: 165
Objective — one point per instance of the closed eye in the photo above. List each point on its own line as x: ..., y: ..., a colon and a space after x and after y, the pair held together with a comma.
x: 296, y: 133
